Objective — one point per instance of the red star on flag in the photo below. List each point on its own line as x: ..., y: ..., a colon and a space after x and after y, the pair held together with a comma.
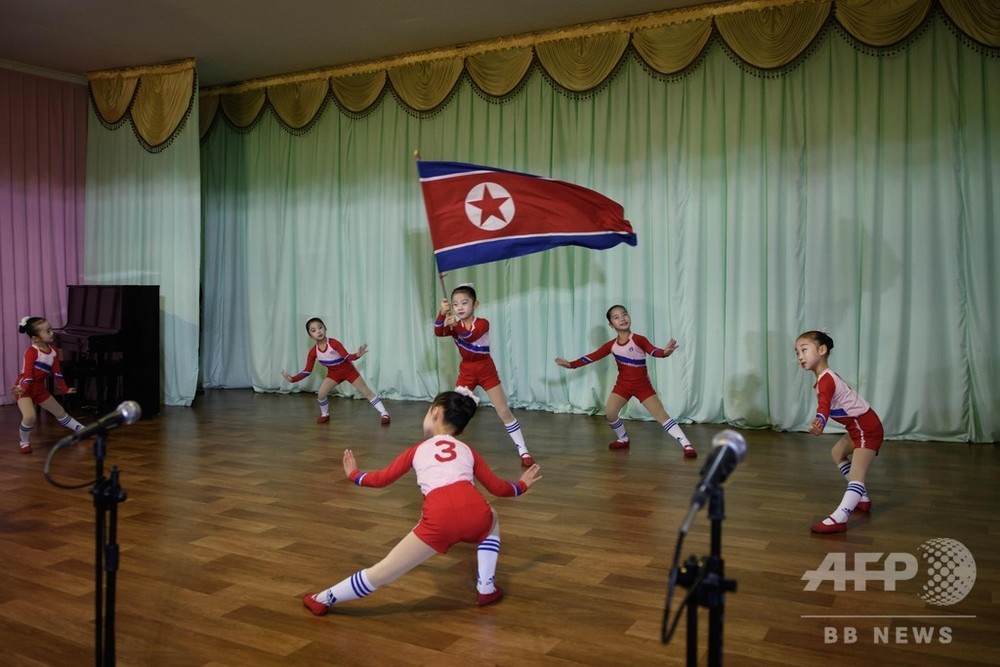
x: 490, y: 206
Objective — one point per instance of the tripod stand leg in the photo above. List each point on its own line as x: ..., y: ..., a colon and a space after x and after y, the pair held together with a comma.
x: 115, y: 496
x: 692, y: 630
x: 98, y: 492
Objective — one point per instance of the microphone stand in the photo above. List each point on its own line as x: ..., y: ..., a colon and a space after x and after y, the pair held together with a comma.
x: 707, y: 587
x: 107, y: 494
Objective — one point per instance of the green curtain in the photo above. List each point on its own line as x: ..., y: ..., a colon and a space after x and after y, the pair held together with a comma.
x: 853, y: 193
x: 143, y: 227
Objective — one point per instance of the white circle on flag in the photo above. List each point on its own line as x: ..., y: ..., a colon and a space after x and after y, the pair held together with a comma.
x: 489, y: 206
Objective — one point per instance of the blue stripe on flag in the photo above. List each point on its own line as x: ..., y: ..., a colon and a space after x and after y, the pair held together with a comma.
x: 481, y: 252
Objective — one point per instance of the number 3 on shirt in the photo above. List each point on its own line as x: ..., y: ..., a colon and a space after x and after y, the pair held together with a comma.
x: 446, y: 451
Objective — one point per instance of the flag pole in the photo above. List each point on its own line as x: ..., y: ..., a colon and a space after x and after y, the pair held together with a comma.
x: 441, y: 275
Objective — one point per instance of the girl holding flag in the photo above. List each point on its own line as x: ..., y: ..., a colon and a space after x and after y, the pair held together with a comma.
x: 471, y: 334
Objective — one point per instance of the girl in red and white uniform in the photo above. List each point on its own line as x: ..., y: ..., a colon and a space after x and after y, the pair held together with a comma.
x: 630, y: 350
x: 41, y: 360
x: 334, y: 356
x: 471, y: 334
x: 453, y: 511
x: 854, y: 452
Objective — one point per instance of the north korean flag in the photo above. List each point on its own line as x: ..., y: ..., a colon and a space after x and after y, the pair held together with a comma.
x: 482, y: 214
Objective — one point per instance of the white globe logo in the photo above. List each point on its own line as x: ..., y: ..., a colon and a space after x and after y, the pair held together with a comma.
x: 951, y: 571
x: 489, y: 206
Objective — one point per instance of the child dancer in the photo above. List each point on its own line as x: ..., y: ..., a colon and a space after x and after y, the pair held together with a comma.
x: 864, y: 429
x: 339, y: 369
x: 453, y: 511
x: 472, y: 336
x: 41, y: 359
x: 630, y: 352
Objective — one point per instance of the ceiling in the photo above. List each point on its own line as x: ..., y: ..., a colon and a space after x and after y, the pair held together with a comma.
x: 237, y: 40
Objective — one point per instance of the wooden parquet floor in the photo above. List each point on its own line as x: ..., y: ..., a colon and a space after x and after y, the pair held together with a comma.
x: 238, y: 505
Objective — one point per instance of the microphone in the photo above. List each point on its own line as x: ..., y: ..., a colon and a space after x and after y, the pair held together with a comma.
x: 126, y: 413
x: 728, y: 449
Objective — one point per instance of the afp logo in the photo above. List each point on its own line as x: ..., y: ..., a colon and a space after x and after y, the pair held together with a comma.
x: 949, y: 567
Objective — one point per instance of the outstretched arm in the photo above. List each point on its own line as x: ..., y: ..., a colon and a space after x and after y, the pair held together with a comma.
x: 669, y: 349
x: 597, y: 354
x: 378, y: 478
x: 652, y: 350
x: 531, y: 475
x: 304, y: 373
x: 350, y: 463
x: 500, y: 487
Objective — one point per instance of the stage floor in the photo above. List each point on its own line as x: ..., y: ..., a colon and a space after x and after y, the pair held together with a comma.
x: 238, y: 505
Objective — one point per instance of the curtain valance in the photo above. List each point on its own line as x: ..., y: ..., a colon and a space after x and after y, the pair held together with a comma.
x: 765, y: 35
x: 156, y: 98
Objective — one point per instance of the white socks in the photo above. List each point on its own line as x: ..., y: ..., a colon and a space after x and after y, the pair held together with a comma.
x: 487, y: 554
x: 619, y: 428
x: 354, y: 587
x: 674, y: 429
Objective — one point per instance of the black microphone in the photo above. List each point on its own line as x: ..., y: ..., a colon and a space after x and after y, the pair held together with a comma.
x: 728, y: 449
x: 126, y: 413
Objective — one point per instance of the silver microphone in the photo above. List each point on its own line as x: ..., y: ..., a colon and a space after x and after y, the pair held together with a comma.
x: 728, y: 450
x: 128, y: 412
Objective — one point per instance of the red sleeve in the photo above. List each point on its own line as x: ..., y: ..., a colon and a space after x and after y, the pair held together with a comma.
x: 825, y: 387
x: 441, y: 331
x: 387, y: 475
x: 492, y: 483
x: 57, y: 373
x: 597, y: 354
x: 341, y: 350
x: 310, y: 362
x: 648, y: 347
x: 30, y: 356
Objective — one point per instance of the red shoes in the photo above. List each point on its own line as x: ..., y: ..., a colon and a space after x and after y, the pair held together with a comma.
x: 864, y: 506
x: 385, y: 420
x: 322, y: 419
x: 828, y: 528
x: 527, y: 460
x: 314, y: 605
x: 619, y: 444
x: 25, y: 448
x: 489, y: 598
x: 689, y: 452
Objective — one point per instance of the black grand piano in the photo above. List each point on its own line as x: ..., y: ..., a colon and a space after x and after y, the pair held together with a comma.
x: 111, y: 345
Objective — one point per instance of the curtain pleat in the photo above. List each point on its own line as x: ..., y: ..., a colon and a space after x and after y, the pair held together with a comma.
x: 358, y: 92
x: 423, y: 86
x: 775, y: 36
x: 582, y: 63
x: 497, y: 73
x: 672, y: 48
x: 978, y: 19
x: 243, y: 109
x: 298, y: 103
x: 161, y: 103
x: 113, y: 96
x: 881, y: 22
